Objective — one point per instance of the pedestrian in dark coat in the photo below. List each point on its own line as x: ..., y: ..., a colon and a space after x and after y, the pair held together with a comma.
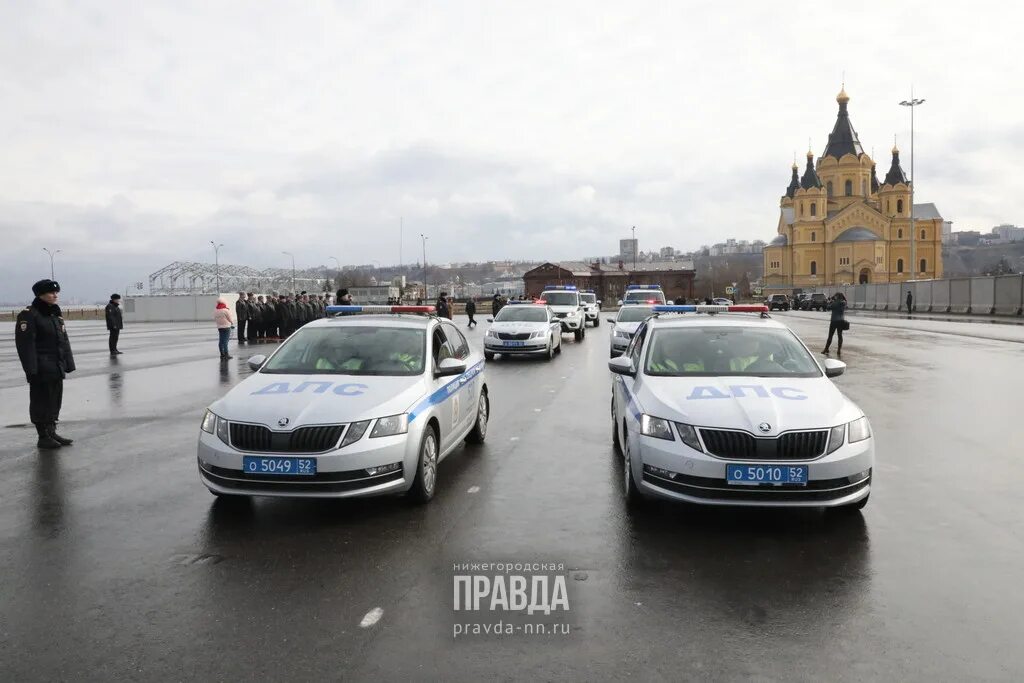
x: 837, y: 322
x: 910, y: 301
x: 442, y: 306
x: 115, y: 323
x: 254, y: 316
x: 241, y: 316
x: 45, y: 354
x: 496, y: 304
x: 471, y: 311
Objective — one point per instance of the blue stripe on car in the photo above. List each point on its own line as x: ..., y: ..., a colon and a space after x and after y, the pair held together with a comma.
x: 447, y: 391
x: 631, y: 402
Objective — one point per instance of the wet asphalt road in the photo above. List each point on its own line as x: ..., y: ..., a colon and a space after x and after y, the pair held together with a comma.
x: 115, y: 563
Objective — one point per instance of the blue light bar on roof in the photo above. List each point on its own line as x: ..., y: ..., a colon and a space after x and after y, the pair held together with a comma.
x: 629, y: 287
x: 567, y: 288
x: 525, y: 303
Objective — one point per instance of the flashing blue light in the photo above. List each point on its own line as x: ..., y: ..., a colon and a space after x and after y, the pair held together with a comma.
x: 668, y: 308
x: 568, y: 288
x: 629, y: 287
x: 523, y: 303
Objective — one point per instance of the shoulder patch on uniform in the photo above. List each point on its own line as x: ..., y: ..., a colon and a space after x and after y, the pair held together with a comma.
x: 24, y: 325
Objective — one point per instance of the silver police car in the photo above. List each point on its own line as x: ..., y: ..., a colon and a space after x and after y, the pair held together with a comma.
x: 523, y: 328
x: 360, y: 405
x: 624, y: 326
x: 735, y: 410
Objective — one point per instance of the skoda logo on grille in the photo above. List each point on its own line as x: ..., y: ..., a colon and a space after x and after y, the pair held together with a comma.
x: 283, y: 422
x: 765, y: 427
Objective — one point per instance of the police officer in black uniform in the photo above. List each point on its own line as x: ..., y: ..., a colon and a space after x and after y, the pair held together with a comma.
x: 241, y: 316
x: 254, y: 317
x: 115, y: 323
x: 45, y: 354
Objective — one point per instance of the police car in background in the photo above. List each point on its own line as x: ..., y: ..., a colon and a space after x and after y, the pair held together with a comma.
x: 624, y: 326
x: 523, y: 328
x: 643, y: 294
x: 735, y: 410
x: 360, y: 405
x: 591, y: 306
x: 564, y: 301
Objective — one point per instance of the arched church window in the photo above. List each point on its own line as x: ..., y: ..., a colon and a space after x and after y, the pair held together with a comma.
x: 829, y: 187
x: 801, y: 208
x: 814, y: 267
x: 899, y: 265
x: 864, y: 187
x: 849, y: 188
x: 814, y: 209
x: 923, y: 233
x: 814, y: 237
x: 899, y: 234
x: 899, y: 206
x: 924, y: 265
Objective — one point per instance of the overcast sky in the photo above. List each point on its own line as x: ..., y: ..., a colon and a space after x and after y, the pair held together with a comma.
x: 134, y: 133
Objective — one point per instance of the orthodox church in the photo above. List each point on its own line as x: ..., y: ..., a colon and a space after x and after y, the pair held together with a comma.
x: 839, y: 225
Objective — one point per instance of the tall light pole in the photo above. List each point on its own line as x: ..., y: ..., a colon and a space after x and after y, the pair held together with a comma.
x: 51, y: 254
x: 912, y: 103
x: 288, y: 253
x: 424, y: 238
x: 216, y: 262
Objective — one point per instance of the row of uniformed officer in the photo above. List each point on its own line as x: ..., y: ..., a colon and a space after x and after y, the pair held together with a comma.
x: 276, y: 316
x: 45, y: 354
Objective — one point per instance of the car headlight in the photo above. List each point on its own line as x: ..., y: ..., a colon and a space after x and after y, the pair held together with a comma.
x: 621, y: 335
x: 391, y: 425
x: 656, y: 427
x: 354, y: 433
x: 539, y: 335
x: 859, y: 430
x: 213, y: 424
x: 492, y: 334
x: 688, y: 435
x: 835, y: 438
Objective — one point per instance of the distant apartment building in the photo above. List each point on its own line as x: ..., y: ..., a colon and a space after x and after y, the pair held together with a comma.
x: 628, y: 249
x: 1008, y: 233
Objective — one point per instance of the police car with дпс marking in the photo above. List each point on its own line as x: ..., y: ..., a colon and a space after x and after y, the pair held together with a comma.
x: 730, y: 409
x: 359, y: 405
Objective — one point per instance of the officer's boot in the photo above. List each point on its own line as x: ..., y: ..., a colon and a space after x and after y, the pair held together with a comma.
x: 45, y: 440
x: 52, y: 431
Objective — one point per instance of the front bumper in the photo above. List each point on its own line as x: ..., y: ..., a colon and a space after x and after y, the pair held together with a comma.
x: 593, y: 315
x: 529, y: 347
x: 841, y: 478
x: 572, y: 324
x: 340, y: 473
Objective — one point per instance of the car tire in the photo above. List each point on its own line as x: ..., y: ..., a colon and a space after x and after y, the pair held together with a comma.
x: 597, y: 321
x: 577, y: 335
x: 615, y: 431
x: 559, y: 345
x: 630, y: 492
x: 488, y: 355
x: 550, y: 355
x: 425, y: 483
x: 483, y: 414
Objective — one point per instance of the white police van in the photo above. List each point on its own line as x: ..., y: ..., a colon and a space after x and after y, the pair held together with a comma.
x: 360, y: 405
x: 591, y: 306
x: 643, y: 294
x: 523, y: 328
x: 564, y: 301
x: 735, y: 410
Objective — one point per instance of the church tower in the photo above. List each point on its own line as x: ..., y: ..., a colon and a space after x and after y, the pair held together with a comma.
x: 844, y: 168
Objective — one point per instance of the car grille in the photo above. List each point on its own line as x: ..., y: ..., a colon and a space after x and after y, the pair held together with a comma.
x: 561, y: 315
x: 257, y: 438
x: 508, y: 336
x: 823, y: 490
x: 743, y: 446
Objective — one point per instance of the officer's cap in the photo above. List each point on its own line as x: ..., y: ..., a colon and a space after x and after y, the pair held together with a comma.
x: 45, y: 287
x: 115, y: 296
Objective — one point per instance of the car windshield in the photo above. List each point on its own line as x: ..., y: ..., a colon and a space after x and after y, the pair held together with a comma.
x: 351, y: 350
x: 588, y: 298
x: 657, y: 296
x: 529, y: 314
x: 728, y: 352
x: 561, y: 298
x: 634, y: 314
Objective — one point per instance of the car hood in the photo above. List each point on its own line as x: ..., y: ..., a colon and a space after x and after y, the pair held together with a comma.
x: 317, y: 399
x: 518, y: 327
x: 628, y: 327
x: 747, y: 402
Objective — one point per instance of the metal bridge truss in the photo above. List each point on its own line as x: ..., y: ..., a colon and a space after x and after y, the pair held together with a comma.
x: 190, y: 277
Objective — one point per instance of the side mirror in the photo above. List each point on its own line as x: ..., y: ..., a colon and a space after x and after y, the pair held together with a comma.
x: 833, y: 367
x: 449, y: 367
x: 256, y: 362
x: 490, y: 320
x: 623, y: 365
x: 620, y: 302
x: 611, y: 320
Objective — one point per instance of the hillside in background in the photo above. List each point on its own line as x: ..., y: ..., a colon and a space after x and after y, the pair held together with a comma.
x: 983, y: 260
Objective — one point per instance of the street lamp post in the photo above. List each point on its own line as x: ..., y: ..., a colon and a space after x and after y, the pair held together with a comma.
x: 288, y: 253
x: 912, y: 103
x: 216, y: 262
x: 51, y: 254
x: 424, y: 238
